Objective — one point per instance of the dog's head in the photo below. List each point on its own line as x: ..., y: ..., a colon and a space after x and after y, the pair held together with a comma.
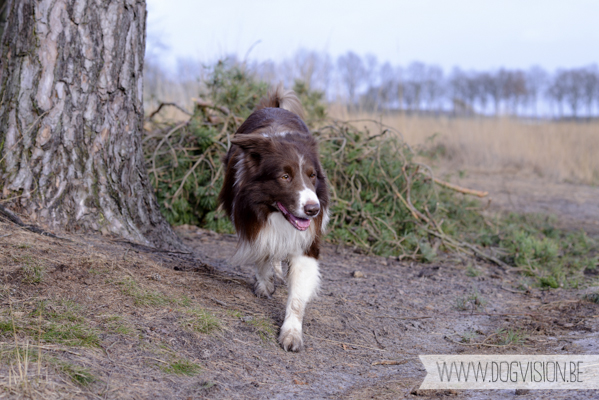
x: 279, y: 171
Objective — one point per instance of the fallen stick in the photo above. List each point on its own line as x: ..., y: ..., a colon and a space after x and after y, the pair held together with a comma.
x: 481, y: 344
x: 461, y: 189
x: 392, y: 362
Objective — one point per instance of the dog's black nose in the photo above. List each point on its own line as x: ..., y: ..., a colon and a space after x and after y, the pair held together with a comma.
x: 312, y: 209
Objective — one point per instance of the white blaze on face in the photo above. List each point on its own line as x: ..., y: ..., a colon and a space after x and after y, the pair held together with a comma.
x: 306, y: 195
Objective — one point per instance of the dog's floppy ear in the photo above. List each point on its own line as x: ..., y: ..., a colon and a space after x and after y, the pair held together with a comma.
x: 253, y: 142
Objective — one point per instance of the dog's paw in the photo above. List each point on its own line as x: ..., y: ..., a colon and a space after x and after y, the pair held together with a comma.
x: 264, y: 288
x: 291, y: 338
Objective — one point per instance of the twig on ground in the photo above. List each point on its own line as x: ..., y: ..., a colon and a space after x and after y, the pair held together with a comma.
x: 393, y: 362
x: 480, y: 344
x: 478, y: 193
x: 514, y: 291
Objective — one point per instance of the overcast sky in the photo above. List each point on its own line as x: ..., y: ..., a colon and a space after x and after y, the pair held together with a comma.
x: 472, y: 34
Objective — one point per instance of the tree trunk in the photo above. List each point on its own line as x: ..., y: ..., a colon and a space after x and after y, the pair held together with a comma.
x: 71, y: 117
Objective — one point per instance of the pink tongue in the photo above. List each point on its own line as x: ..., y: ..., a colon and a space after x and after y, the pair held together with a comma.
x: 302, y: 223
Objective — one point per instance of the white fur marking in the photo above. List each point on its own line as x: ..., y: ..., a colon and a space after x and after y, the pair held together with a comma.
x: 303, y: 283
x: 270, y: 134
x: 278, y: 270
x: 305, y: 196
x: 277, y: 240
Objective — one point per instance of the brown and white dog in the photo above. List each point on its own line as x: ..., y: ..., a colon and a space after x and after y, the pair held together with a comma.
x: 275, y: 193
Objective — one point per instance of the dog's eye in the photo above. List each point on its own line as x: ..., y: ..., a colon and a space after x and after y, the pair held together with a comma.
x: 312, y: 175
x: 285, y: 177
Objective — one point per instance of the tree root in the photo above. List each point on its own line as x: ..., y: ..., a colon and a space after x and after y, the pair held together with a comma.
x: 12, y: 217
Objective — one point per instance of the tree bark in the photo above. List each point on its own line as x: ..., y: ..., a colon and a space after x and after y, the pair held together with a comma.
x: 71, y: 117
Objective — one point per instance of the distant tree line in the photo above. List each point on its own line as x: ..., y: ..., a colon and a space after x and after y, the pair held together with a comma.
x: 363, y: 83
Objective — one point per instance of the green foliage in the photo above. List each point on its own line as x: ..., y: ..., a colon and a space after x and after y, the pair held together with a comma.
x: 312, y: 101
x: 383, y: 201
x: 531, y: 242
x: 61, y: 321
x: 232, y: 86
x: 5, y: 327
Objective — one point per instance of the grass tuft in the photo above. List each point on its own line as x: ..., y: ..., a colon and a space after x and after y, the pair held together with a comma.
x: 79, y: 335
x: 142, y: 296
x: 263, y: 327
x: 507, y: 337
x: 472, y: 271
x: 202, y: 321
x: 592, y: 297
x: 182, y: 367
x: 33, y: 272
x: 474, y: 302
x: 79, y: 375
x: 114, y: 324
x: 468, y: 336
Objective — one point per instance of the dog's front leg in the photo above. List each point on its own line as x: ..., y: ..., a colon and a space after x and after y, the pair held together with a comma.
x: 303, y: 280
x: 265, y: 279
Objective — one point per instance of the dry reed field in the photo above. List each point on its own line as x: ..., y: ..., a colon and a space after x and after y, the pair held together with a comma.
x: 560, y: 151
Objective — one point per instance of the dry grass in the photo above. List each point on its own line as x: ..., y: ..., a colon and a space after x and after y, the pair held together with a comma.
x: 56, y: 327
x: 561, y: 151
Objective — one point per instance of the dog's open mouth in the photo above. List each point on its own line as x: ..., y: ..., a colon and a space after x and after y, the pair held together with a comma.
x: 298, y: 223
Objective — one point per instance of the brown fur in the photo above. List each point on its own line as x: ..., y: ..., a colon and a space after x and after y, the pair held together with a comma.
x: 263, y: 159
x: 281, y: 98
